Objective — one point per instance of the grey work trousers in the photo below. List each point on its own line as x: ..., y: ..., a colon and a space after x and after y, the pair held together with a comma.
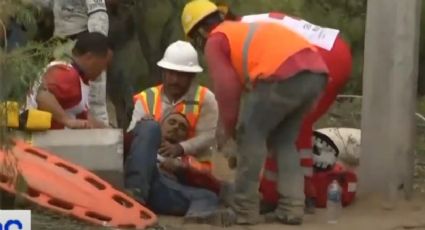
x: 272, y: 113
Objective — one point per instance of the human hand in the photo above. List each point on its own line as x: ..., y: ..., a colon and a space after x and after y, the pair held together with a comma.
x: 171, y: 165
x: 77, y: 124
x: 170, y: 150
x: 96, y: 124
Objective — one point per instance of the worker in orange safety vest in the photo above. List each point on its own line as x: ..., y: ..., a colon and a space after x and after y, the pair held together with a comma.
x: 180, y: 92
x: 337, y: 56
x: 266, y: 78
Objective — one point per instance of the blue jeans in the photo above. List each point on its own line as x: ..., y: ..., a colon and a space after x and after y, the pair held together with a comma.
x: 160, y: 193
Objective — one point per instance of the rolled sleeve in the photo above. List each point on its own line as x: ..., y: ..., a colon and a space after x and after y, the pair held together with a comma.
x: 65, y: 85
x: 138, y: 113
x: 205, y: 128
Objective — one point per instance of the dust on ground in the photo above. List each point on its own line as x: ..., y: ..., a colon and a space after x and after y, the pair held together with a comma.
x: 364, y: 214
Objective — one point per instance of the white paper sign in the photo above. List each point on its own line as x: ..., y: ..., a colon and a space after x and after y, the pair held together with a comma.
x: 320, y: 36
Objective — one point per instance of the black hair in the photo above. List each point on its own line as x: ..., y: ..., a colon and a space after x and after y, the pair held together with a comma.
x: 175, y: 113
x: 209, y: 21
x: 231, y: 16
x: 93, y: 42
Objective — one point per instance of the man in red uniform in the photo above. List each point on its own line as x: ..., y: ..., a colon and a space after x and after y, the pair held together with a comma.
x: 266, y: 78
x: 63, y: 89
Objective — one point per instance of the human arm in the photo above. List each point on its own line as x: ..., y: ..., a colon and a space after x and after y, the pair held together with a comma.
x: 94, y: 123
x: 47, y: 102
x: 227, y: 86
x: 60, y: 89
x: 98, y: 17
x: 138, y: 114
x: 205, y: 128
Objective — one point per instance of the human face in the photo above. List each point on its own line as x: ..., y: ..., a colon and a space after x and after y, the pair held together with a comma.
x: 176, y: 84
x: 175, y: 128
x: 95, y: 64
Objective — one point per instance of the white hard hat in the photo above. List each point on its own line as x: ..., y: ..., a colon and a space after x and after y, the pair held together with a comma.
x: 180, y: 56
x: 346, y: 140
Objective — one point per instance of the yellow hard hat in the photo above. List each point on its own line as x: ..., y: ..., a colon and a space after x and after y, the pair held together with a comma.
x: 194, y: 12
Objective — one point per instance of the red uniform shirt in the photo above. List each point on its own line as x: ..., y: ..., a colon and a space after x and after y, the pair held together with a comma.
x: 64, y: 82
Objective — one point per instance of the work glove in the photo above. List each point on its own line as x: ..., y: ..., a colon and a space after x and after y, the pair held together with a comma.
x: 324, y: 155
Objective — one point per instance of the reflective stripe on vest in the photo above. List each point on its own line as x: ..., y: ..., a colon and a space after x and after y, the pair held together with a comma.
x: 152, y: 104
x: 258, y: 49
x: 247, y: 43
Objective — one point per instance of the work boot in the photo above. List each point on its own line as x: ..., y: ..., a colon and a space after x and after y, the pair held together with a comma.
x: 288, y: 219
x: 220, y: 218
x: 266, y: 207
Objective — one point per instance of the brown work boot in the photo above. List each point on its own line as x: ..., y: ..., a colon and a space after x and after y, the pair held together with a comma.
x: 287, y: 219
x: 220, y: 218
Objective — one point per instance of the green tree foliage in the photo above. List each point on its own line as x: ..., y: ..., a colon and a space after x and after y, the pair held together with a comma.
x: 19, y: 67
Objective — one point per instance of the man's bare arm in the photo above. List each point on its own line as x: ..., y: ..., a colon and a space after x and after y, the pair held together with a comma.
x: 96, y: 124
x: 48, y: 102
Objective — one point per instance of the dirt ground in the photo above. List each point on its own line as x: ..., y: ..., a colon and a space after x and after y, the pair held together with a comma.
x: 365, y: 214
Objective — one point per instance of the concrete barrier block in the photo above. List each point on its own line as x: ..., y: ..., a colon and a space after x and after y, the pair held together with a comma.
x: 98, y: 150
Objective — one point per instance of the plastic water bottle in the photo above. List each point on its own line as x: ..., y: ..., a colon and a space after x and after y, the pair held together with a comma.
x: 333, y: 205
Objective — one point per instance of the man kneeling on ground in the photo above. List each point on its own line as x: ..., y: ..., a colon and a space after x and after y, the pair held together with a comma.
x: 63, y: 89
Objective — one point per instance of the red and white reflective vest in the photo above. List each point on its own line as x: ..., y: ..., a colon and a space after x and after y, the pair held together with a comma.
x: 80, y: 110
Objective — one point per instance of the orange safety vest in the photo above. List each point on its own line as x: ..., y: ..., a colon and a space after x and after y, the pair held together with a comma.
x: 259, y: 49
x: 152, y: 103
